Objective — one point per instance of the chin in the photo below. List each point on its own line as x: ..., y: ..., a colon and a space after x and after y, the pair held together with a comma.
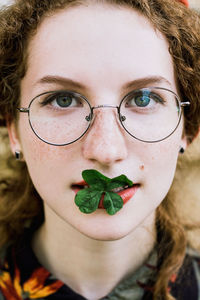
x: 110, y: 228
x: 106, y: 235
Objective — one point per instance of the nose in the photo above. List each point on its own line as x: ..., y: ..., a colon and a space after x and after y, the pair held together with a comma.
x: 105, y: 141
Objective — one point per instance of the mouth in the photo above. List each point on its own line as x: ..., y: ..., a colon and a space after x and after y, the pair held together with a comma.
x: 125, y: 192
x: 79, y: 186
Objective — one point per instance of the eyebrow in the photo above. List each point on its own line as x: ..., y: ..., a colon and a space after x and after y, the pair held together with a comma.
x: 134, y: 84
x: 51, y: 79
x: 145, y: 82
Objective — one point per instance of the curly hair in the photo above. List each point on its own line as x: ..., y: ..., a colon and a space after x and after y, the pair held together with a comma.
x: 18, y: 23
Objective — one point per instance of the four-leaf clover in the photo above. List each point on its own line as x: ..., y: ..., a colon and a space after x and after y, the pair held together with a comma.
x: 88, y: 199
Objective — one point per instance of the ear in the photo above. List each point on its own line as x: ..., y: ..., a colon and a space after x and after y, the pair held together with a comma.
x: 13, y: 137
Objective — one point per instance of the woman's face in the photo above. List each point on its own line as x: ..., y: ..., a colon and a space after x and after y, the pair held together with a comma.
x: 102, y: 52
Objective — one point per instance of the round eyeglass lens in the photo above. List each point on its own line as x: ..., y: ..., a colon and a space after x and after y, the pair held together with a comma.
x: 150, y: 114
x: 59, y: 118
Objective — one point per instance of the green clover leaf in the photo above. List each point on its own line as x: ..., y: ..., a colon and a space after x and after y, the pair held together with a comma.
x: 123, y: 180
x: 88, y: 199
x: 112, y: 202
x: 94, y: 177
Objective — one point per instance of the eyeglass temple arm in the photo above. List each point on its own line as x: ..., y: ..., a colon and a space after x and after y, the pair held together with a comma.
x: 185, y: 103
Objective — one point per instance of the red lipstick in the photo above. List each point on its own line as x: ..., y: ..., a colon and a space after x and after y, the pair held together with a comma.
x: 126, y: 194
x: 77, y: 186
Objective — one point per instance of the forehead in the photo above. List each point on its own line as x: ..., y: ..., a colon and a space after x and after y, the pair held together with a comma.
x: 98, y: 41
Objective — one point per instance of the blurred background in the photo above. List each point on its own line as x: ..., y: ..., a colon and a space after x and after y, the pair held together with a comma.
x: 2, y: 2
x: 193, y: 3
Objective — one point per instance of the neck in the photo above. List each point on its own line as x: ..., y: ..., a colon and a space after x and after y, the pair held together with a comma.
x: 91, y: 267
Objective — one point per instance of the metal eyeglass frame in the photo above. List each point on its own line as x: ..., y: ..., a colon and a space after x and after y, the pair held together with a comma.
x: 90, y: 117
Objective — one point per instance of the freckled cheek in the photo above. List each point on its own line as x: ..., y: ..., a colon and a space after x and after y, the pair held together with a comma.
x: 164, y: 155
x: 39, y: 154
x: 61, y: 130
x: 32, y: 147
x: 161, y: 166
x: 158, y: 173
x: 48, y: 165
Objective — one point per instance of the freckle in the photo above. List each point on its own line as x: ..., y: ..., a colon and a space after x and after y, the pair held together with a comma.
x: 142, y: 167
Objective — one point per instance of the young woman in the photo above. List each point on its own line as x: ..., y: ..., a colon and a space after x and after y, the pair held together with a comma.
x: 99, y: 98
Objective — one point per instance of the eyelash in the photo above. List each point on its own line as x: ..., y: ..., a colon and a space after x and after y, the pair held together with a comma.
x: 131, y: 95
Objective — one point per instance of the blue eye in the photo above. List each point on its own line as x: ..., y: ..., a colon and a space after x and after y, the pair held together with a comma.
x: 142, y: 99
x: 64, y: 100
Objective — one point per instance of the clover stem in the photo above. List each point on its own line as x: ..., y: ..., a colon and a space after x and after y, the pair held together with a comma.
x: 101, y: 201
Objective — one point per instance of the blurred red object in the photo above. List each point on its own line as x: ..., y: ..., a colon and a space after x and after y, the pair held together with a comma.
x: 184, y: 2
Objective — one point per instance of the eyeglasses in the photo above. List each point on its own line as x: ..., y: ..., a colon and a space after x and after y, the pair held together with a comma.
x: 62, y: 117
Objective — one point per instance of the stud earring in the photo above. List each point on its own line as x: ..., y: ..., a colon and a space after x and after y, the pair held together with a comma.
x: 182, y: 150
x: 17, y: 155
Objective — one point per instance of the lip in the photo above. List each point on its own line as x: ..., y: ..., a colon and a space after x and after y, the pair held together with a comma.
x: 75, y: 187
x: 128, y: 193
x: 125, y: 194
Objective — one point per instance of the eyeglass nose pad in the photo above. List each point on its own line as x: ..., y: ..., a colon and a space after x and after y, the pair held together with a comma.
x: 88, y: 118
x: 122, y: 118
